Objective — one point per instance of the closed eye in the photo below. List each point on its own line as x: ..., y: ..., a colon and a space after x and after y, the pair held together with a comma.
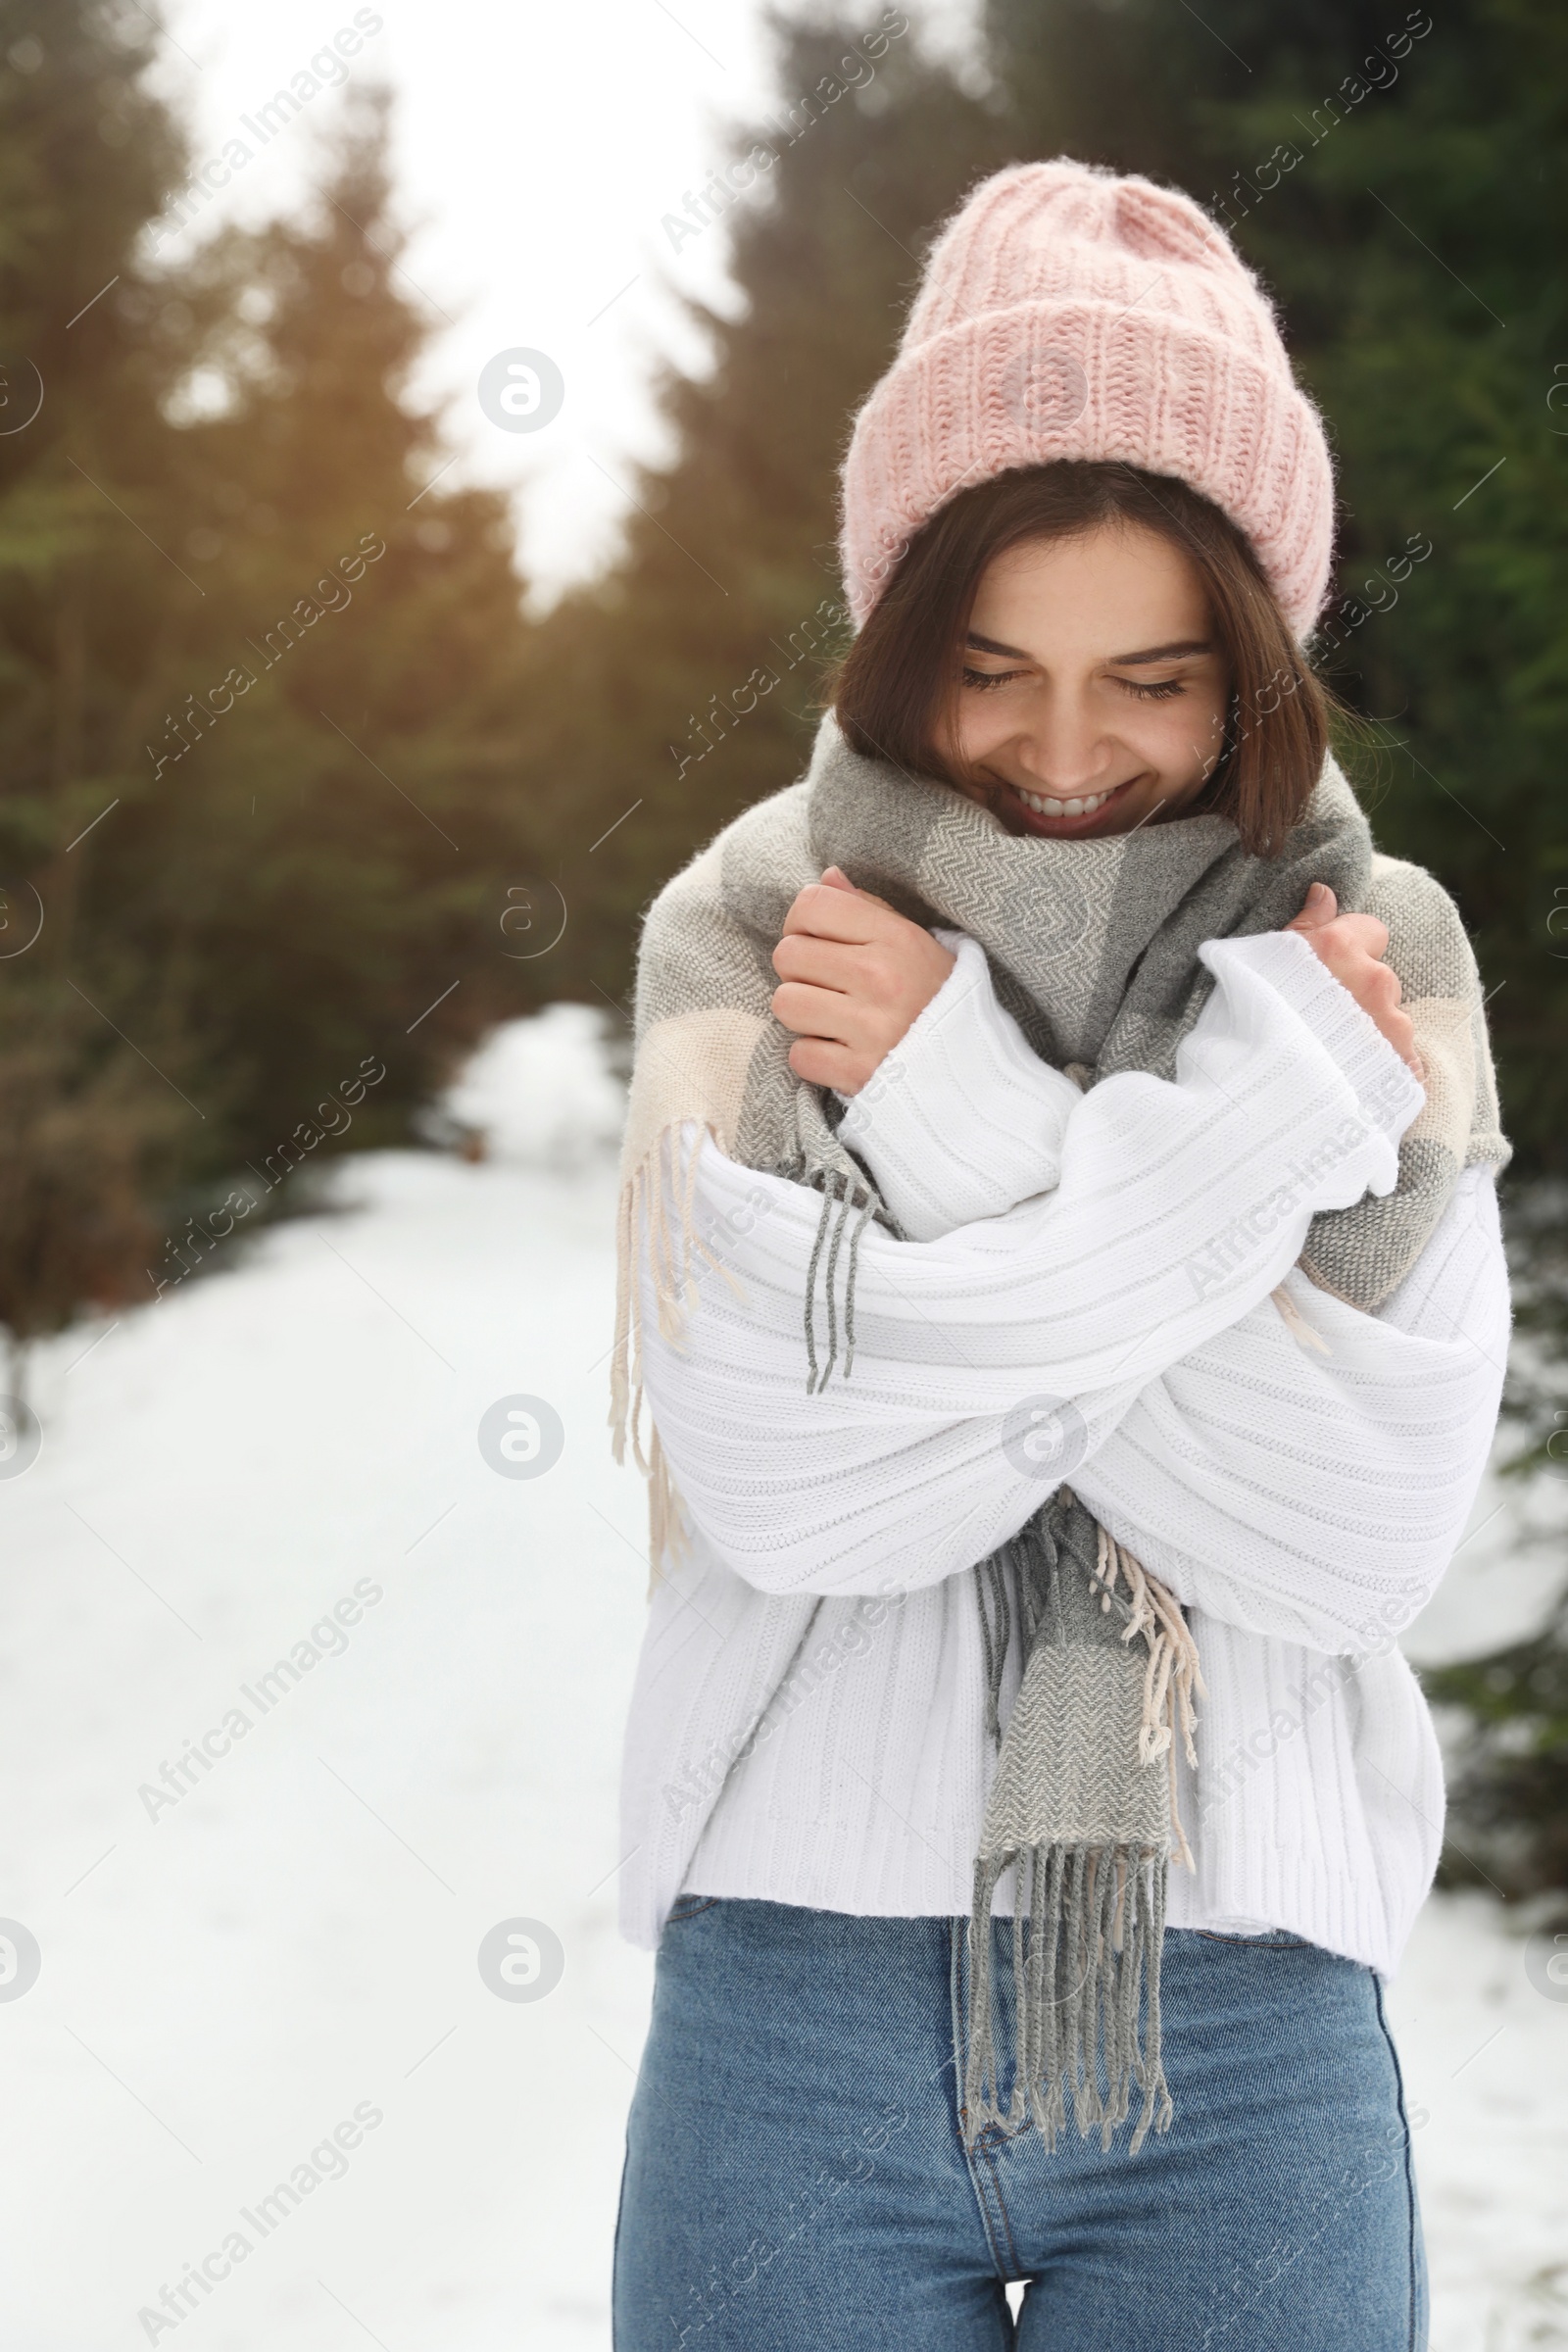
x: 1163, y: 692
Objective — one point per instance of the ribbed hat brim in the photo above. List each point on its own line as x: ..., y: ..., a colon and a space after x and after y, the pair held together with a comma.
x: 1090, y: 380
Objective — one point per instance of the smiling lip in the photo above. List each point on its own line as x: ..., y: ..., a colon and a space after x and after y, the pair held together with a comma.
x: 1041, y: 814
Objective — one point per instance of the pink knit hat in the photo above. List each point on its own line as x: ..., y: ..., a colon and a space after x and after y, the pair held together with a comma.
x: 1066, y: 313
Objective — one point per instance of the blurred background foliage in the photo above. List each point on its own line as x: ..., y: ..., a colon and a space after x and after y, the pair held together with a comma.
x: 334, y: 751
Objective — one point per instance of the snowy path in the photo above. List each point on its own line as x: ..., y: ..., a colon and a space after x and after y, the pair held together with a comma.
x: 298, y: 1933
x: 229, y: 1975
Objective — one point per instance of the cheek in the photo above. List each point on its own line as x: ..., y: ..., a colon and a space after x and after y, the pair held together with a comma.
x: 1177, y: 735
x: 980, y: 723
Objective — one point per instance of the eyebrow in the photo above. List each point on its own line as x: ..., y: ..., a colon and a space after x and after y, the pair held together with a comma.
x: 1152, y: 653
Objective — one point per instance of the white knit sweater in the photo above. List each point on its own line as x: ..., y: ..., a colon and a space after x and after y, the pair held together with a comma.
x: 808, y: 1719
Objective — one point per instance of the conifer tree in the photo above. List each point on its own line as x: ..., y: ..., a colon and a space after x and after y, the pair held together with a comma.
x: 690, y: 676
x: 327, y: 815
x: 259, y: 716
x: 90, y: 1126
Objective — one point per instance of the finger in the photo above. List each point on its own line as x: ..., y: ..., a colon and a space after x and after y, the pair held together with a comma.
x: 823, y: 962
x: 1347, y: 944
x: 1401, y: 1034
x: 837, y: 879
x: 1320, y: 905
x: 822, y: 1063
x: 1381, y: 998
x: 1375, y: 988
x: 1365, y: 933
x: 814, y: 1011
x: 1353, y: 957
x: 830, y: 912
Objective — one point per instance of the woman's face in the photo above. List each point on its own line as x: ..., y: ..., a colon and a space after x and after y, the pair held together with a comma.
x: 1093, y: 687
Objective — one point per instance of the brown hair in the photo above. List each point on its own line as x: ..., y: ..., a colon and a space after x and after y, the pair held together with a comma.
x: 895, y: 690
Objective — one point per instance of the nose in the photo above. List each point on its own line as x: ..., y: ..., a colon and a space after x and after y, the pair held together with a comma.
x: 1061, y: 748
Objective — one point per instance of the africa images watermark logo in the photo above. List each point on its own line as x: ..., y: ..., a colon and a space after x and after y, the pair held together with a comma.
x: 20, y: 1436
x: 522, y: 1437
x: 1046, y: 1437
x: 328, y: 2161
x: 854, y: 71
x: 1220, y: 1258
x: 329, y: 1637
x: 522, y: 1959
x: 327, y: 70
x: 1545, y: 1962
x: 21, y: 1959
x: 521, y: 390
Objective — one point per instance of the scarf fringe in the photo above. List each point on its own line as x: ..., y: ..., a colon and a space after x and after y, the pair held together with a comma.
x: 1088, y: 1928
x: 667, y: 1174
x: 673, y: 1255
x: 1089, y: 1921
x: 1173, y: 1673
x: 840, y: 1193
x: 1296, y: 1323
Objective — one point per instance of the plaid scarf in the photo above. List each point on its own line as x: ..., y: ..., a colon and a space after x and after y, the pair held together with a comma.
x: 1091, y: 946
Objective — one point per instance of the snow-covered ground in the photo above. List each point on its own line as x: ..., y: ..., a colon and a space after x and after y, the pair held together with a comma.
x: 282, y: 1462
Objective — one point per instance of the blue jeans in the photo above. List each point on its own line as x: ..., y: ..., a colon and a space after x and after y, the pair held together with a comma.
x: 797, y: 2182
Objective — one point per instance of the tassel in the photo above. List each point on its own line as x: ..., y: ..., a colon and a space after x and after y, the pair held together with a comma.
x: 1173, y: 1673
x: 642, y: 1209
x: 995, y: 1637
x: 625, y: 1354
x: 1088, y: 1929
x: 841, y: 1195
x: 832, y: 1268
x: 811, y: 1289
x: 1296, y: 1323
x: 666, y: 1536
x: 674, y: 1248
x: 861, y: 1224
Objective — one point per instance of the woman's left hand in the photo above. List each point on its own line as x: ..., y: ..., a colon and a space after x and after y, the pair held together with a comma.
x: 1354, y: 947
x: 856, y: 976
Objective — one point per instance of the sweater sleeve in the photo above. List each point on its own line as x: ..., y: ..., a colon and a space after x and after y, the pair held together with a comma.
x: 1315, y: 1493
x: 1305, y: 1478
x: 963, y: 1120
x: 992, y: 1362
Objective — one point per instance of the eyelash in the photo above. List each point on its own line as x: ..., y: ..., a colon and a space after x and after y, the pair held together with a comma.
x: 1163, y: 692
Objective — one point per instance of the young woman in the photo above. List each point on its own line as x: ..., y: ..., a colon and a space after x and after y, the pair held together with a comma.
x: 1062, y: 1260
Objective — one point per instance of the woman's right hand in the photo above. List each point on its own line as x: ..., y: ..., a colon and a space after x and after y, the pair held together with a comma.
x: 1353, y: 946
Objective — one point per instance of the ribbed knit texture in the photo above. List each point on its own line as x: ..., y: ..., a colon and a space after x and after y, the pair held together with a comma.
x: 1067, y: 313
x: 818, y: 1658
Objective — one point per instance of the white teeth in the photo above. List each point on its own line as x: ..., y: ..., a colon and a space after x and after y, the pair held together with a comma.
x: 1044, y: 805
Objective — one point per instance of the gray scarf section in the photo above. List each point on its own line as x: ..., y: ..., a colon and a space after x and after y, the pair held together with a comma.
x: 1093, y: 947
